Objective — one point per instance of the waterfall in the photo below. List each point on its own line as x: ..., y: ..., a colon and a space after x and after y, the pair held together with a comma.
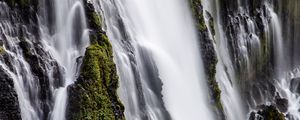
x: 20, y: 71
x: 247, y: 52
x: 67, y: 44
x: 278, y: 43
x: 233, y: 107
x: 158, y: 59
x: 158, y: 50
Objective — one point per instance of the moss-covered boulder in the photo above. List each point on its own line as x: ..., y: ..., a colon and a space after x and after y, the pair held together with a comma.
x: 94, y: 95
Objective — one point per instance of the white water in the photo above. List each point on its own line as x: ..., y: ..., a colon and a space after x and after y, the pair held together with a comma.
x: 284, y: 88
x: 164, y: 29
x: 66, y: 45
x: 277, y: 43
x: 22, y: 74
x: 225, y: 74
x: 283, y: 76
x: 24, y: 83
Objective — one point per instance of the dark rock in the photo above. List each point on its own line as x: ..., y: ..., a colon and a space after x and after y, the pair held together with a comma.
x: 9, y: 105
x: 282, y: 104
x: 295, y: 85
x: 267, y: 113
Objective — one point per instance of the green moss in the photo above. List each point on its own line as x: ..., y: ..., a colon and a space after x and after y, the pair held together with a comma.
x: 2, y: 50
x: 197, y: 11
x: 213, y: 85
x: 94, y: 94
x: 96, y: 19
x: 98, y: 84
x: 271, y: 113
x: 208, y: 54
x: 96, y: 101
x: 212, y: 27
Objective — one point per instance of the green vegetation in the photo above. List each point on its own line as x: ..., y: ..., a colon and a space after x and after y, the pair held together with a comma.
x: 94, y: 94
x: 97, y: 85
x: 271, y: 113
x: 198, y: 14
x: 208, y: 53
x: 2, y: 50
x: 96, y: 18
x: 214, y: 87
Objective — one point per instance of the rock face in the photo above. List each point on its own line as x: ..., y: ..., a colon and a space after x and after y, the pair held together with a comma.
x: 21, y: 16
x: 94, y: 94
x: 9, y: 106
x: 209, y: 56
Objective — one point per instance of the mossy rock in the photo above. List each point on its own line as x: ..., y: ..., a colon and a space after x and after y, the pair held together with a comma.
x: 197, y: 11
x: 2, y: 51
x: 271, y: 113
x: 267, y: 113
x: 209, y: 56
x: 94, y: 95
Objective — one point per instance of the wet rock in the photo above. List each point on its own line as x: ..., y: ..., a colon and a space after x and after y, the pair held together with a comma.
x: 282, y: 104
x: 9, y: 105
x: 267, y: 113
x: 209, y: 56
x: 93, y: 95
x: 295, y: 85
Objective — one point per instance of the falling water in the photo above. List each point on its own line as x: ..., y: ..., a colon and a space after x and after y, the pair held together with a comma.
x: 284, y: 78
x: 157, y: 54
x: 225, y: 74
x: 66, y: 45
x: 159, y: 37
x: 20, y: 72
x: 277, y: 42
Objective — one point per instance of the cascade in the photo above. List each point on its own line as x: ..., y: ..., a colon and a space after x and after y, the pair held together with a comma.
x: 225, y: 73
x: 67, y: 44
x: 156, y: 54
x: 17, y: 68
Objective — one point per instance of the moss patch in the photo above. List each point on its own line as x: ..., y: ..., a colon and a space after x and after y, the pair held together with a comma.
x: 96, y: 18
x: 97, y: 85
x: 94, y: 95
x: 2, y: 50
x: 197, y: 11
x: 267, y: 113
x: 208, y: 55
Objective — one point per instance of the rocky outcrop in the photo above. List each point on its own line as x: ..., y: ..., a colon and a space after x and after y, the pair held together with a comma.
x: 94, y: 95
x: 209, y: 56
x: 267, y: 113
